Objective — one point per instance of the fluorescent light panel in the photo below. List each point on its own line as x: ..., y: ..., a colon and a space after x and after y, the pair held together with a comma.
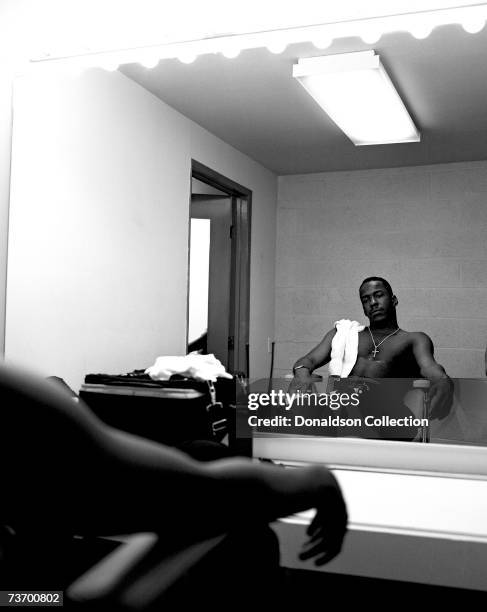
x: 357, y: 94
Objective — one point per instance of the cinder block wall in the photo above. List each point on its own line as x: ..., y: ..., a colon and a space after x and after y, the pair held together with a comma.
x: 422, y: 228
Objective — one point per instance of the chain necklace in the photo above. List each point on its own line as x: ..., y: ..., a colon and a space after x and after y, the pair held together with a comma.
x: 376, y: 346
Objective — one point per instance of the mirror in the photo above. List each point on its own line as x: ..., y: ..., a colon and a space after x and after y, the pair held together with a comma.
x: 100, y: 193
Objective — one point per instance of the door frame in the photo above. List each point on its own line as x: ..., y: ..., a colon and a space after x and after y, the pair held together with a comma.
x: 238, y: 327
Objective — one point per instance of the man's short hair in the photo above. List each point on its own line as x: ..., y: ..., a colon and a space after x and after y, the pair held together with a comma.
x: 379, y: 279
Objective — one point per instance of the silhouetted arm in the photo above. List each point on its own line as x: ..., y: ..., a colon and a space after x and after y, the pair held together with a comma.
x: 68, y: 472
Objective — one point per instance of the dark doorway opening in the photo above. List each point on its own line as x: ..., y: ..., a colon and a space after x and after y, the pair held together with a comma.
x: 219, y: 268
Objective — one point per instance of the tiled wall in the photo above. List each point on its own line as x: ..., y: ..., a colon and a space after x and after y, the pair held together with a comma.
x: 422, y: 228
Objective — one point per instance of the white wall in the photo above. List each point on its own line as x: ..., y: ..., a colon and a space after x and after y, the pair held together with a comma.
x: 98, y: 255
x: 5, y: 145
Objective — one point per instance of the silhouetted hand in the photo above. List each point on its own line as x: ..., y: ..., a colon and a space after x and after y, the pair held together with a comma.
x: 328, y: 527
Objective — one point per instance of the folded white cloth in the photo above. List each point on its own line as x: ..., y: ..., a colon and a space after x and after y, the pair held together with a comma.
x: 344, y: 347
x: 194, y: 365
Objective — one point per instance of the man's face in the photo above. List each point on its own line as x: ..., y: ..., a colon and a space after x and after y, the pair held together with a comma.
x: 377, y: 303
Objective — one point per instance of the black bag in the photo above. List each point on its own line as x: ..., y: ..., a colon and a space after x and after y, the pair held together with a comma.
x: 172, y: 412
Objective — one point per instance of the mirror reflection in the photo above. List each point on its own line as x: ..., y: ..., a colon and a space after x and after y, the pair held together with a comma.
x: 104, y: 205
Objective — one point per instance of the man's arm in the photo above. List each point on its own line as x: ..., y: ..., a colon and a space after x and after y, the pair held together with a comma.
x: 441, y: 392
x: 230, y: 494
x: 304, y: 366
x: 88, y: 478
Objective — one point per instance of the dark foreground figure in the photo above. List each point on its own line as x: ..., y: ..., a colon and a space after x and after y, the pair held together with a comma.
x: 66, y: 473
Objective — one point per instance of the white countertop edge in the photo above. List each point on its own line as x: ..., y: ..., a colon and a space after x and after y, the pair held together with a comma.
x: 454, y: 460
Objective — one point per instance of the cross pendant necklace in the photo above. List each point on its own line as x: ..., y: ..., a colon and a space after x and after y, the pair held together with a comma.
x: 373, y: 353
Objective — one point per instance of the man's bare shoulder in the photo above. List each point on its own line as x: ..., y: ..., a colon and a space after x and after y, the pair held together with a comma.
x: 328, y: 337
x: 418, y: 338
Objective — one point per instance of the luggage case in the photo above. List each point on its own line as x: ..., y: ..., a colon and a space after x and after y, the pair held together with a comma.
x: 172, y: 412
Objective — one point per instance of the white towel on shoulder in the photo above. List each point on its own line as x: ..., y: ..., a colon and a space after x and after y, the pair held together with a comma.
x: 344, y: 347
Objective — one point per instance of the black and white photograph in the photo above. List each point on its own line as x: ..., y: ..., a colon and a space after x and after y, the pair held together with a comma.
x: 243, y: 303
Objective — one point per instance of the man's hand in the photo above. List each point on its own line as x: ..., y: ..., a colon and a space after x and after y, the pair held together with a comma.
x: 303, y: 381
x: 441, y: 391
x: 328, y: 527
x: 441, y: 396
x: 267, y: 492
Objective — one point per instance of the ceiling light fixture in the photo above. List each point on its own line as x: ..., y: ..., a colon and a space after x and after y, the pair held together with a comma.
x: 419, y: 23
x: 358, y: 95
x: 421, y: 31
x: 473, y: 26
x: 322, y: 42
x: 150, y: 61
x: 187, y: 58
x: 277, y: 46
x: 231, y: 52
x: 107, y: 63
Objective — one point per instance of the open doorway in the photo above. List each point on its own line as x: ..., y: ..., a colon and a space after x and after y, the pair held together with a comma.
x: 219, y: 268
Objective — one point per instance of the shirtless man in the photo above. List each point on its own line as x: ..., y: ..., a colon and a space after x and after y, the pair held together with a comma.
x: 384, y: 350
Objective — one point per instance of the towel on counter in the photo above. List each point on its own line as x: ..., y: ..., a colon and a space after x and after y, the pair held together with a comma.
x: 344, y: 347
x: 194, y: 365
